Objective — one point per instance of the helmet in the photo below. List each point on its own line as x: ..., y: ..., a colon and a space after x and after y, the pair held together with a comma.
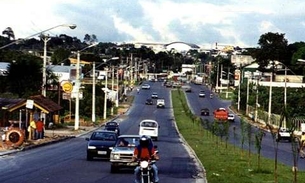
x: 144, y: 141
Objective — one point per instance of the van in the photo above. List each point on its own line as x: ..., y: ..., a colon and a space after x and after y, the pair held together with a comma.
x: 150, y: 128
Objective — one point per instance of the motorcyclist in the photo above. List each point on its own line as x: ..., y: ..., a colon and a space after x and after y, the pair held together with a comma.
x: 147, y: 152
x: 211, y: 95
x: 138, y: 90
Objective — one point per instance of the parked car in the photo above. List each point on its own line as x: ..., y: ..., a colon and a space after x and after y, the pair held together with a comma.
x: 154, y: 95
x: 145, y: 86
x: 113, y: 126
x: 122, y: 152
x: 100, y: 144
x: 205, y: 112
x: 201, y: 93
x: 284, y: 134
x: 231, y: 117
x: 149, y: 101
x: 160, y: 103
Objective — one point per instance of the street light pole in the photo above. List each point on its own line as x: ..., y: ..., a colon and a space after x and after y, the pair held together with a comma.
x: 112, y: 85
x: 256, y: 101
x: 93, y: 93
x: 247, y: 99
x: 77, y: 86
x: 270, y: 98
x: 105, y: 96
x: 117, y: 89
x: 239, y: 87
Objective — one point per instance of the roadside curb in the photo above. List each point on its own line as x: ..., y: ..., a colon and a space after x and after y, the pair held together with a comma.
x: 34, y: 146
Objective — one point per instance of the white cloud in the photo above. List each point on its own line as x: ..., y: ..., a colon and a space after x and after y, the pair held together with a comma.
x: 136, y: 33
x: 228, y: 21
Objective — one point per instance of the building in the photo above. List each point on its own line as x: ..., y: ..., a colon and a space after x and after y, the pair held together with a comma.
x: 4, y: 68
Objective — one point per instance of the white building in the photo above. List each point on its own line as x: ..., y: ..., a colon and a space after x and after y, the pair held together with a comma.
x: 4, y: 68
x: 63, y: 72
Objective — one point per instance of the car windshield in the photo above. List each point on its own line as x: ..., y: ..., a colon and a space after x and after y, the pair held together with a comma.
x: 103, y: 136
x: 128, y: 141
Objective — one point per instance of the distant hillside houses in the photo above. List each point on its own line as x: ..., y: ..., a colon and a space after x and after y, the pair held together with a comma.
x: 183, y: 47
x: 4, y: 68
x: 179, y: 47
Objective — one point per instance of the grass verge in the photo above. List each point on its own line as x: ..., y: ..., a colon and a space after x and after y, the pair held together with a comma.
x: 226, y: 162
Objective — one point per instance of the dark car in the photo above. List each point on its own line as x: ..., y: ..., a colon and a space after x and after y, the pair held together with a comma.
x: 100, y: 144
x: 201, y: 93
x: 205, y: 112
x: 149, y: 101
x: 112, y: 126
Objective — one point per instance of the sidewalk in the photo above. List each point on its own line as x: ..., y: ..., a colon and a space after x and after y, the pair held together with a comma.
x: 51, y: 136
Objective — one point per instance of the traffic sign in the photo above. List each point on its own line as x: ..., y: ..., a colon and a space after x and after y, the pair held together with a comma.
x: 67, y: 87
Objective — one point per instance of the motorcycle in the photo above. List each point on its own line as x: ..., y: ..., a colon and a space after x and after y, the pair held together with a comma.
x: 146, y: 171
x: 211, y: 95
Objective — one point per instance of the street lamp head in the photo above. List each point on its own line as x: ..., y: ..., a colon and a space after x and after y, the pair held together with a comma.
x: 72, y: 26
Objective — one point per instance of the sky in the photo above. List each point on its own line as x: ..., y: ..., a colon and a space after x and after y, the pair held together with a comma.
x: 202, y: 22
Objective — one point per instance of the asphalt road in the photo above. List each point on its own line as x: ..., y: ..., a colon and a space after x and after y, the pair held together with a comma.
x: 285, y: 154
x: 66, y: 161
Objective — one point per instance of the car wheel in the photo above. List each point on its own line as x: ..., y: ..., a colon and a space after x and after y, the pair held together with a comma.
x: 114, y: 169
x: 89, y: 157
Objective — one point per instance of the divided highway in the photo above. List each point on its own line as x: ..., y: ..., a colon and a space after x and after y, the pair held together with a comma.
x: 285, y: 154
x: 66, y: 161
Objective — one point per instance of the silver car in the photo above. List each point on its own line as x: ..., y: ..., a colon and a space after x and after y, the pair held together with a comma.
x: 122, y: 153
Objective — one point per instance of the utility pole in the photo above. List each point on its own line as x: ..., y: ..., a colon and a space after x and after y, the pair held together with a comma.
x: 45, y: 39
x: 217, y: 77
x: 221, y: 70
x: 112, y: 86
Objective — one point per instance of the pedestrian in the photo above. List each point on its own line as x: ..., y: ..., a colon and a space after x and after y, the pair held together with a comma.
x: 39, y: 129
x: 32, y: 130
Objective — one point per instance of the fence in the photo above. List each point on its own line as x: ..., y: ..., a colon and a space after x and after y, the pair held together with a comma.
x: 275, y: 119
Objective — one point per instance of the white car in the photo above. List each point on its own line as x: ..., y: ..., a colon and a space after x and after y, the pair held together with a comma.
x: 145, y: 86
x: 149, y: 127
x: 160, y: 103
x: 231, y: 117
x: 283, y: 134
x: 154, y: 95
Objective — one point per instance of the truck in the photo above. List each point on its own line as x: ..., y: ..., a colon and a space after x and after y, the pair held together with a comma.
x: 221, y: 114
